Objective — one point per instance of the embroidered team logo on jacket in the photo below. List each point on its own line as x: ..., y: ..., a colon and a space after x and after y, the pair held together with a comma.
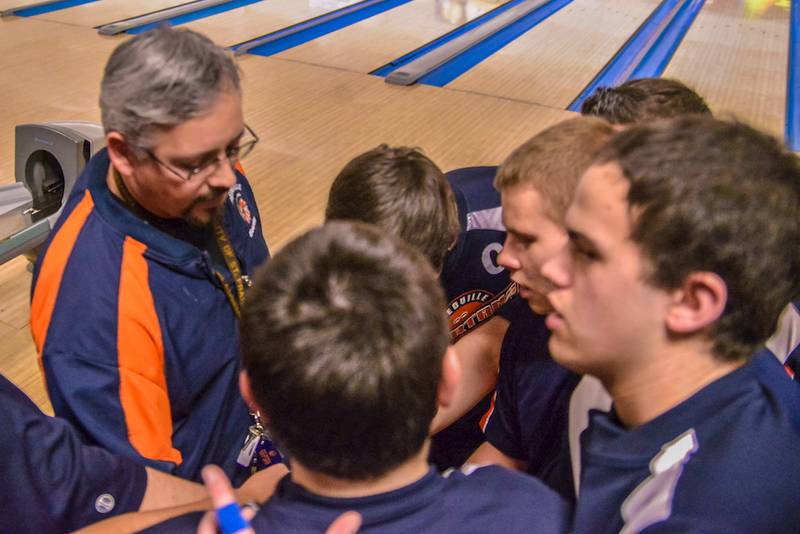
x: 471, y: 308
x: 240, y: 202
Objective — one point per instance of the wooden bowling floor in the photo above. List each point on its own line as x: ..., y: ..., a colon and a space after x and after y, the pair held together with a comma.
x: 315, y: 107
x: 571, y: 46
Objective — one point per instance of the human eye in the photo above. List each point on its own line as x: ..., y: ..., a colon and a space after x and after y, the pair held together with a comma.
x: 232, y: 151
x: 582, y: 251
x: 191, y: 166
x: 524, y: 240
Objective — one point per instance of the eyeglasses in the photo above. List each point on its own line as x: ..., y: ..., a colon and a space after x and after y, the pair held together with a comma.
x: 201, y: 172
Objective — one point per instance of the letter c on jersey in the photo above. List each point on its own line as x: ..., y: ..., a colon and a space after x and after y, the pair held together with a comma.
x: 488, y: 262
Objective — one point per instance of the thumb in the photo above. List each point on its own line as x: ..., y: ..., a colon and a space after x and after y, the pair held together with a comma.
x: 228, y: 514
x: 347, y: 523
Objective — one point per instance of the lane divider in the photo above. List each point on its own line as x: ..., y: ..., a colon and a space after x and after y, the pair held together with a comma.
x: 39, y: 8
x: 660, y: 54
x: 300, y: 33
x: 793, y: 81
x: 395, y: 64
x: 462, y: 62
x: 192, y: 11
x: 649, y: 50
x: 119, y: 26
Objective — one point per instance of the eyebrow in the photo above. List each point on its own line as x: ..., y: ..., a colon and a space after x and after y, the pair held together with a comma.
x: 524, y: 235
x: 580, y: 238
x: 202, y: 156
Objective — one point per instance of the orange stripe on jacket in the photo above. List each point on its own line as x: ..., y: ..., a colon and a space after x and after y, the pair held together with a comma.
x: 142, y: 382
x: 48, y: 284
x: 240, y: 168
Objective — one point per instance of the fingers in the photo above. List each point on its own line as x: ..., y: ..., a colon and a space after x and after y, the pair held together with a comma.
x: 233, y: 521
x: 347, y: 523
x: 228, y: 515
x: 208, y: 525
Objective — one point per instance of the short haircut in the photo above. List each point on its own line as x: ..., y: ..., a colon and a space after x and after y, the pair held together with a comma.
x: 343, y: 337
x: 553, y: 161
x: 160, y: 79
x: 402, y: 191
x: 644, y: 99
x: 718, y: 196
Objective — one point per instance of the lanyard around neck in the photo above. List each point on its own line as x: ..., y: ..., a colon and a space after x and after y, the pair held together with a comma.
x: 232, y: 262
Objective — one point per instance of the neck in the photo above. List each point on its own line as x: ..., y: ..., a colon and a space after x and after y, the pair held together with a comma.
x: 665, y: 380
x: 177, y: 228
x: 112, y: 183
x: 407, y: 473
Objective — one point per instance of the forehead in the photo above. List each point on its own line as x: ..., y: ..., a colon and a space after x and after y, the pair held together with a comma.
x: 600, y: 208
x: 214, y: 128
x: 522, y: 207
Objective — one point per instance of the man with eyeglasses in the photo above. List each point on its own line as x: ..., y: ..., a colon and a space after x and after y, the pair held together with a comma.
x: 137, y: 294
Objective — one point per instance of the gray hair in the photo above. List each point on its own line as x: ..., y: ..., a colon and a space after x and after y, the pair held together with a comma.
x: 160, y: 79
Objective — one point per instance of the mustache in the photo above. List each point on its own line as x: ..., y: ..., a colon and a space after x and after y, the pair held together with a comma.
x: 216, y: 193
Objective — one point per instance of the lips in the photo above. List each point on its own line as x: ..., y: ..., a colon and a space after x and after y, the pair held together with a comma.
x: 213, y: 202
x: 554, y: 321
x: 524, y: 292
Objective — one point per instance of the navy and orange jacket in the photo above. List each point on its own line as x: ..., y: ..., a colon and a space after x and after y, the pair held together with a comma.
x: 137, y: 340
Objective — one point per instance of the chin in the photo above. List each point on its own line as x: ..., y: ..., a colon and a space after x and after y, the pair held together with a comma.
x: 202, y: 218
x: 539, y: 305
x: 565, y: 355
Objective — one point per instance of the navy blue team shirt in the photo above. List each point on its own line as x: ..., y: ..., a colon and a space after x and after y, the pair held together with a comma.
x: 530, y: 417
x: 725, y: 460
x: 53, y: 482
x: 476, y: 289
x: 475, y: 286
x: 489, y: 499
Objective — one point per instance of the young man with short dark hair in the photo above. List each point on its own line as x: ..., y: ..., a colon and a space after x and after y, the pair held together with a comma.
x: 644, y: 99
x: 346, y: 352
x: 681, y: 254
x: 455, y: 221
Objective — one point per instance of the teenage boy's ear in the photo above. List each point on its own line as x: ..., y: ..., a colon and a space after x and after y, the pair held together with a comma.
x: 451, y: 376
x: 247, y: 395
x: 698, y: 303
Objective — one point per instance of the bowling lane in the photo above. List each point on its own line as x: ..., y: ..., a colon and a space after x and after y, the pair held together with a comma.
x: 8, y: 4
x: 737, y: 59
x: 53, y: 73
x: 312, y: 120
x: 96, y: 14
x: 375, y: 41
x: 239, y: 25
x: 554, y: 61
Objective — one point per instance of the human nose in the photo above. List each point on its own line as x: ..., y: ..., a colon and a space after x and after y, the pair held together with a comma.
x: 558, y: 269
x: 507, y: 258
x: 224, y: 176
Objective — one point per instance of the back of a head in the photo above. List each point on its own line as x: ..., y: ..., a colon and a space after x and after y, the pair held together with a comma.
x: 402, y: 191
x: 160, y: 79
x: 553, y: 161
x: 644, y: 99
x: 343, y: 336
x: 716, y: 196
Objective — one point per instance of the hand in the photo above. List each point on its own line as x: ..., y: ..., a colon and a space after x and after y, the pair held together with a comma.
x: 222, y: 496
x: 347, y: 523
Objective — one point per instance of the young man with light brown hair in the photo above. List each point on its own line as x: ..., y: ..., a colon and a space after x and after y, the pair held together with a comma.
x: 527, y: 428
